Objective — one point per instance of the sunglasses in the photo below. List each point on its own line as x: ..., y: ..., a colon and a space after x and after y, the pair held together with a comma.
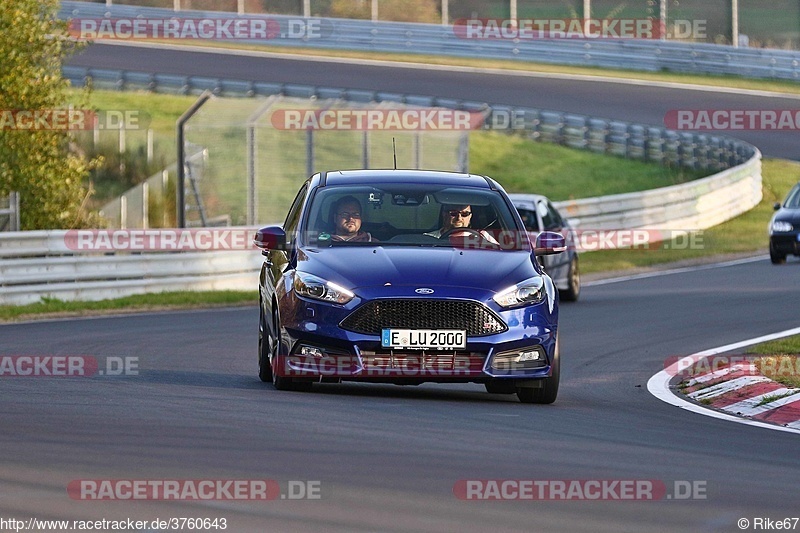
x: 345, y: 215
x: 454, y: 213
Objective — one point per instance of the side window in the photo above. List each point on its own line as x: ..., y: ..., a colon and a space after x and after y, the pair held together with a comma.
x: 548, y: 220
x: 559, y: 222
x: 293, y: 218
x: 529, y: 219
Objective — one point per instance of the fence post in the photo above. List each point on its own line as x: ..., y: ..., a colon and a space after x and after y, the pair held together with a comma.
x: 309, y: 152
x: 463, y: 153
x: 13, y: 203
x: 252, y: 192
x: 164, y: 185
x: 123, y: 212
x: 149, y: 145
x: 180, y: 186
x: 365, y: 149
x: 145, y: 205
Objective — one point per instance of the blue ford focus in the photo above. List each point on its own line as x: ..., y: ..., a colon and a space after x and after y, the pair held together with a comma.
x: 406, y: 277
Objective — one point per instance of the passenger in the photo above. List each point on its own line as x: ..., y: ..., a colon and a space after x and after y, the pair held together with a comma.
x: 347, y: 219
x: 458, y: 216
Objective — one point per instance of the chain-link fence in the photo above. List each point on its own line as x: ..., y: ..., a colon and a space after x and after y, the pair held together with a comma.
x: 245, y: 162
x: 256, y: 163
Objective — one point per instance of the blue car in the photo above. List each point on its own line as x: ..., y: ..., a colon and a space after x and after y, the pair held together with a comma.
x: 406, y: 277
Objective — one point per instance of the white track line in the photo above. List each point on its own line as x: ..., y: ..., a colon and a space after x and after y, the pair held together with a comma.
x: 658, y: 385
x: 681, y: 270
x: 726, y: 386
x: 715, y: 374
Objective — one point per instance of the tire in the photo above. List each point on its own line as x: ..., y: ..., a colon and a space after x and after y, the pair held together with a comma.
x: 264, y: 366
x: 548, y: 393
x: 499, y: 386
x: 776, y: 257
x: 573, y: 291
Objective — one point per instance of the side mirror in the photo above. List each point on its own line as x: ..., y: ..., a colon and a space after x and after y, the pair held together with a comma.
x: 549, y: 243
x: 270, y: 238
x: 776, y: 206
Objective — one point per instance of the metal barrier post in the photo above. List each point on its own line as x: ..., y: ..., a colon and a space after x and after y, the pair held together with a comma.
x: 180, y: 187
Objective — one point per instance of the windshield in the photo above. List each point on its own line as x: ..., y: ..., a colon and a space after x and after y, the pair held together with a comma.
x: 793, y: 199
x: 412, y: 215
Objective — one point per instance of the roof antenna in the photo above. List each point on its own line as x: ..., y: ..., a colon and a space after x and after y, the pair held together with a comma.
x: 394, y: 151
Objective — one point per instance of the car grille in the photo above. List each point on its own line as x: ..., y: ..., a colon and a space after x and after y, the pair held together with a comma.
x: 476, y: 319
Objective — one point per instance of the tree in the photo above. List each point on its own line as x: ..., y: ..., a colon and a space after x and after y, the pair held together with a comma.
x: 38, y: 163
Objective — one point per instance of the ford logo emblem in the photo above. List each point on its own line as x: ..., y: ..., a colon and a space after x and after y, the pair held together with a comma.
x: 423, y: 290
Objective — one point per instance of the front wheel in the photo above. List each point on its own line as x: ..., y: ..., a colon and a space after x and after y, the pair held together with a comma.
x: 264, y: 341
x: 776, y: 257
x: 574, y: 278
x: 549, y: 391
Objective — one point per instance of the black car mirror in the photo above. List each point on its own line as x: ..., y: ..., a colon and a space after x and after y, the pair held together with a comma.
x: 549, y: 243
x: 270, y: 238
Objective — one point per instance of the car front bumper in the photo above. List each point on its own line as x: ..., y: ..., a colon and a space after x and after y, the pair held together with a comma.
x: 315, y: 347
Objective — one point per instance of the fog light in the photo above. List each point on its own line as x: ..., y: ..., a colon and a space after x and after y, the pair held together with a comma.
x: 311, y: 351
x: 530, y: 355
x: 520, y: 359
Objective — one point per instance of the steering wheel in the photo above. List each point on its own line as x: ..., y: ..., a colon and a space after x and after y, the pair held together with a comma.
x: 447, y: 234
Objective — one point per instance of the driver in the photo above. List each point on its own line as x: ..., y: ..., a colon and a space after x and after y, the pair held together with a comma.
x: 347, y: 219
x: 457, y: 216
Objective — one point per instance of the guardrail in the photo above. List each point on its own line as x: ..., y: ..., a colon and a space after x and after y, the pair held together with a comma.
x: 416, y: 38
x: 695, y: 205
x: 36, y: 264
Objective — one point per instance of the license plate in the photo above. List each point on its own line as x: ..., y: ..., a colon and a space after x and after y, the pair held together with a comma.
x: 424, y: 339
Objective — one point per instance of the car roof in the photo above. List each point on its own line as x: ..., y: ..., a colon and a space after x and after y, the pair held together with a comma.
x: 526, y: 201
x: 433, y: 177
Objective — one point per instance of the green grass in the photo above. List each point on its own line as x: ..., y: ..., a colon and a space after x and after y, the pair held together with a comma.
x: 561, y: 173
x: 745, y: 233
x: 780, y: 360
x: 771, y: 398
x: 50, y: 307
x: 786, y: 345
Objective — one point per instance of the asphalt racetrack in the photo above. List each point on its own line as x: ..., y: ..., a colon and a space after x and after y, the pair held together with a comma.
x: 390, y: 458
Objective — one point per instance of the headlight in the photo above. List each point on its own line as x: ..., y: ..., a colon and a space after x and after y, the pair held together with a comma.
x: 527, y: 292
x: 780, y: 226
x: 319, y: 289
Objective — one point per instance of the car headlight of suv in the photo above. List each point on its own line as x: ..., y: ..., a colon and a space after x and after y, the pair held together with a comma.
x: 316, y: 288
x: 780, y: 226
x: 528, y: 292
